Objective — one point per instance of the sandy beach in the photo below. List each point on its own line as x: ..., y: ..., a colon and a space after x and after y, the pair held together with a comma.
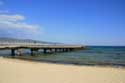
x: 19, y: 71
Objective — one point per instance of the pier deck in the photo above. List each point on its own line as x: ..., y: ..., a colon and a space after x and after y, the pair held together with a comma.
x: 45, y: 48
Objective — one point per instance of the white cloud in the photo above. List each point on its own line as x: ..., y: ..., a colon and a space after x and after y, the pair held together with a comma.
x: 11, y: 18
x: 12, y: 23
x: 16, y: 22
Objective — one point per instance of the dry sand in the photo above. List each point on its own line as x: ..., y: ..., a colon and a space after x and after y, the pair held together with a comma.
x: 19, y: 71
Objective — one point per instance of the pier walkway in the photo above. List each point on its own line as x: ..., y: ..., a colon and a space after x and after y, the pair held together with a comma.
x: 35, y: 47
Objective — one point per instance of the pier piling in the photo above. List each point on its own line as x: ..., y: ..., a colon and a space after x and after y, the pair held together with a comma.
x: 32, y: 54
x: 13, y: 52
x: 45, y: 50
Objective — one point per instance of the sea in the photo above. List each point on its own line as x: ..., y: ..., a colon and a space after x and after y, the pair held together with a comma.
x: 92, y: 55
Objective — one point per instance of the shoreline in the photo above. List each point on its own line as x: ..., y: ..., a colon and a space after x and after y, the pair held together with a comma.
x: 22, y: 71
x: 65, y: 63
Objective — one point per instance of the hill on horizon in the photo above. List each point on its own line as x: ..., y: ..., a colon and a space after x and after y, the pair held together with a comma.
x: 5, y: 39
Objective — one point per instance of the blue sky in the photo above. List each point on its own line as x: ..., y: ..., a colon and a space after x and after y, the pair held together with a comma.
x: 89, y: 22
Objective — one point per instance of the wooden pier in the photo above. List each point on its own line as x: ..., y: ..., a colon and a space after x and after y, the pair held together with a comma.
x: 45, y: 48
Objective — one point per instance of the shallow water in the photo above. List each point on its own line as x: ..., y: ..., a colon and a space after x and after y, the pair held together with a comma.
x: 93, y: 55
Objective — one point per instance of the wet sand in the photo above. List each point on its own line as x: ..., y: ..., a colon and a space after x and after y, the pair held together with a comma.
x: 19, y: 71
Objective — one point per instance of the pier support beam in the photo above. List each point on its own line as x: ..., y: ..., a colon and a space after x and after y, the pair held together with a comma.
x: 13, y: 52
x: 33, y: 51
x: 45, y: 50
x: 56, y: 50
x: 52, y: 50
x: 68, y: 49
x: 32, y: 54
x: 64, y: 49
x: 60, y: 50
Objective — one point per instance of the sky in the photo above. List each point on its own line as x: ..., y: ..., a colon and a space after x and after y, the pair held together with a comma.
x: 87, y: 22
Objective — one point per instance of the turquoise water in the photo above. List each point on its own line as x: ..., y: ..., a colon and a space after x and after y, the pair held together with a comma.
x: 93, y: 55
